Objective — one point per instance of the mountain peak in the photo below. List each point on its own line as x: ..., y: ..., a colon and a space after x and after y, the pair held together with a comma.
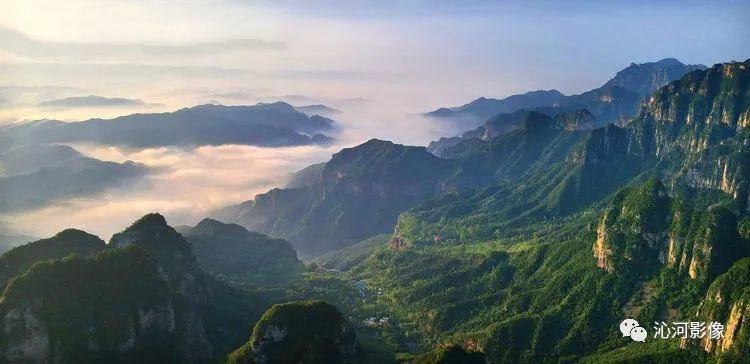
x: 160, y: 240
x: 70, y: 234
x: 670, y: 61
x: 278, y: 105
x: 376, y: 141
x: 645, y: 78
x: 149, y: 220
x: 211, y: 226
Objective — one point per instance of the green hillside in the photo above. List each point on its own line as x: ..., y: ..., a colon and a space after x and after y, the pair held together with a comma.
x: 232, y: 252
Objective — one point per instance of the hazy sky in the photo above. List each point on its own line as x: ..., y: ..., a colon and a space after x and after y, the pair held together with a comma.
x: 400, y: 57
x: 417, y: 55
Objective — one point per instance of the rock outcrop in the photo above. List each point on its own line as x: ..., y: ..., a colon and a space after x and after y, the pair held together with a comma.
x: 643, y: 227
x: 692, y: 131
x: 646, y: 78
x: 299, y: 332
x: 578, y: 120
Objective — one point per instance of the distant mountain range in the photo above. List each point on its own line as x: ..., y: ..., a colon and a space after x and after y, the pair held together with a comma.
x: 617, y: 100
x: 35, y: 175
x: 317, y: 109
x: 271, y: 125
x: 90, y: 101
x: 483, y: 108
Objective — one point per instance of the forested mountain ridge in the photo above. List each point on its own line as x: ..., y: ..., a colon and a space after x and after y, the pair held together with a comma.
x: 142, y: 297
x: 360, y: 192
x: 690, y: 132
x: 238, y: 255
x: 71, y: 241
x: 560, y: 163
x: 659, y: 253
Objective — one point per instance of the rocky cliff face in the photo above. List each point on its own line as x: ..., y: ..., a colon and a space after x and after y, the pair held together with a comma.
x: 697, y: 111
x: 691, y: 151
x: 578, y: 120
x: 643, y: 227
x: 727, y: 302
x: 602, y: 147
x: 172, y: 251
x: 692, y: 131
x: 61, y: 311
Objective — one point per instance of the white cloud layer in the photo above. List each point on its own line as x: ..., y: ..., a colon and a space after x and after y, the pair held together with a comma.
x: 185, y: 187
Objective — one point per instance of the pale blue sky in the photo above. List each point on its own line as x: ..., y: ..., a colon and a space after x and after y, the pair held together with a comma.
x: 429, y: 53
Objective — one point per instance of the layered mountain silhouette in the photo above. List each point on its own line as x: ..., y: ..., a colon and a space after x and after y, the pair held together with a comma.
x: 689, y: 131
x: 36, y: 175
x: 361, y: 190
x: 615, y: 101
x: 318, y: 109
x: 484, y: 108
x: 90, y: 101
x: 271, y: 125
